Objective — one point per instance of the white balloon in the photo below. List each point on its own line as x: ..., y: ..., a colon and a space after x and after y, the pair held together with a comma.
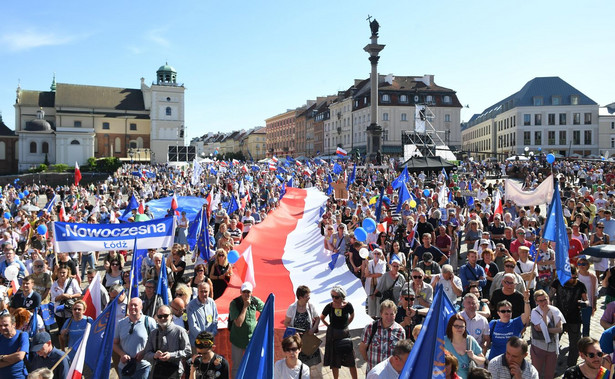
x: 11, y: 272
x: 363, y: 253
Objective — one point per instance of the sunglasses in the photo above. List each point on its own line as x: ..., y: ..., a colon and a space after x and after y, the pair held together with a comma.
x: 163, y: 316
x: 509, y: 266
x: 200, y: 270
x: 336, y: 297
x: 203, y: 343
x: 38, y: 266
x: 582, y: 264
x: 408, y: 298
x: 417, y: 277
x: 592, y: 355
x: 600, y: 227
x: 291, y: 349
x: 115, y: 264
x: 505, y: 311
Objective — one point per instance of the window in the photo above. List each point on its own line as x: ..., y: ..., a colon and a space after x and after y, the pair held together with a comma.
x: 562, y: 118
x: 588, y: 137
x: 551, y: 120
x: 404, y: 117
x: 385, y: 117
x: 537, y: 100
x: 446, y: 99
x: 527, y: 138
x: 576, y: 137
x: 133, y: 126
x: 45, y: 148
x: 32, y: 147
x: 105, y: 125
x: 386, y: 98
x: 612, y: 125
x: 168, y: 111
x: 77, y: 124
x: 447, y: 118
x: 551, y: 137
x: 612, y: 142
x: 576, y: 119
x: 574, y: 99
x: 385, y: 135
x: 429, y: 99
x: 556, y: 100
x: 168, y: 99
x: 562, y: 137
x: 588, y: 118
x: 527, y: 119
x: 118, y: 145
x: 403, y: 98
x: 538, y: 119
x: 537, y: 138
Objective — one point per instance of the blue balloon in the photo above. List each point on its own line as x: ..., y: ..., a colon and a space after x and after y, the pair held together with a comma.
x: 550, y: 158
x: 7, y: 215
x: 360, y: 234
x: 426, y: 192
x: 233, y: 256
x: 26, y: 192
x: 369, y: 225
x: 21, y: 196
x: 17, y: 201
x: 42, y: 230
x: 540, y: 149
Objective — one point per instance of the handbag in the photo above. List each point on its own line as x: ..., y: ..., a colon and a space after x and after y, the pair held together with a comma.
x: 471, y: 364
x: 388, y: 293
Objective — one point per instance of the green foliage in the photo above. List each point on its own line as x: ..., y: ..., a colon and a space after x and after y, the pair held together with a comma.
x: 108, y: 164
x: 60, y: 167
x: 239, y: 156
x: 41, y: 168
x: 92, y: 163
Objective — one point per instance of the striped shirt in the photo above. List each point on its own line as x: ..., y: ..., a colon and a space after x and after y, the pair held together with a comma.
x: 383, y: 342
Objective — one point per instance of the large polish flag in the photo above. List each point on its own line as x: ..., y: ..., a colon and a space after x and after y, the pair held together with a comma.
x: 76, y: 367
x: 92, y: 298
x: 285, y: 251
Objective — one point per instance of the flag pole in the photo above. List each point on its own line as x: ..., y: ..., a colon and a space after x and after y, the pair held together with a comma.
x: 62, y: 358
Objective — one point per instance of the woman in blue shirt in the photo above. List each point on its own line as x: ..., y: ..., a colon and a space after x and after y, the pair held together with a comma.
x: 463, y: 346
x: 504, y: 328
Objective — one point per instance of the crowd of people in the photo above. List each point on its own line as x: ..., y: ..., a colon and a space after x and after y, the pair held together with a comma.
x: 495, y: 268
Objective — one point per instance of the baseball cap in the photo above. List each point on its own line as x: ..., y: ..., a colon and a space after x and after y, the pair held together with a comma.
x: 427, y: 257
x: 247, y: 286
x: 484, y: 242
x: 407, y: 291
x: 38, y: 341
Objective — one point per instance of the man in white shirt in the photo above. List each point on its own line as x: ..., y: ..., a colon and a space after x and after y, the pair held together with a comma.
x: 451, y: 284
x: 476, y: 325
x: 392, y: 367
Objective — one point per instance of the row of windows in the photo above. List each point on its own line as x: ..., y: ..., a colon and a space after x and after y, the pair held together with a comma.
x: 555, y: 100
x: 404, y: 99
x: 483, y: 145
x: 480, y: 132
x: 576, y: 119
x: 45, y: 147
x: 507, y: 140
x: 562, y: 137
x: 105, y: 125
x: 509, y: 122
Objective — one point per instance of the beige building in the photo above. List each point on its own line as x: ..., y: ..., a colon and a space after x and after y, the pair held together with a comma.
x: 606, y: 130
x: 546, y: 115
x: 254, y: 144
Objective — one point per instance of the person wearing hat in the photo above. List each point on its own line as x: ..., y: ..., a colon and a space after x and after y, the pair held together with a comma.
x: 430, y: 267
x: 207, y: 363
x: 44, y: 355
x: 406, y: 314
x: 242, y: 322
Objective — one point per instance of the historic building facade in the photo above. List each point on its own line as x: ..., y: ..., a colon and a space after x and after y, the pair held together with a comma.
x: 71, y: 123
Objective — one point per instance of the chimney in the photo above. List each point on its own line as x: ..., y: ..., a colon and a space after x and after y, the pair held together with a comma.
x: 427, y: 79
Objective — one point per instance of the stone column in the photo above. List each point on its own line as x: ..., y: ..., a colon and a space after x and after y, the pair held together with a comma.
x: 374, y: 131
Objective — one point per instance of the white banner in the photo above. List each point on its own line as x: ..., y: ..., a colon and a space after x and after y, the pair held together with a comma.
x: 153, y: 234
x: 540, y: 195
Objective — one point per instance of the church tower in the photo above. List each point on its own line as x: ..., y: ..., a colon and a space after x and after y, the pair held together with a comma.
x: 165, y: 101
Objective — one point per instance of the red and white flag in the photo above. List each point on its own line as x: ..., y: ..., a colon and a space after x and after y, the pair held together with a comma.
x: 174, y: 205
x: 341, y: 152
x: 285, y: 251
x: 77, y: 174
x: 498, y: 204
x: 76, y: 368
x: 298, y: 163
x: 75, y: 204
x: 272, y: 166
x: 209, y: 199
x: 274, y: 159
x: 112, y: 217
x: 141, y: 209
x: 62, y: 215
x: 92, y: 298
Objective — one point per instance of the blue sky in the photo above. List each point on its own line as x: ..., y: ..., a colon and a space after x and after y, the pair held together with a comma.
x: 245, y: 61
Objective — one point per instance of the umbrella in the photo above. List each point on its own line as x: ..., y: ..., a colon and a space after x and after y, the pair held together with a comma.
x: 600, y: 251
x: 30, y: 208
x: 141, y: 217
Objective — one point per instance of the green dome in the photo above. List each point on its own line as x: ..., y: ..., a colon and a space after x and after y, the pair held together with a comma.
x: 166, y: 67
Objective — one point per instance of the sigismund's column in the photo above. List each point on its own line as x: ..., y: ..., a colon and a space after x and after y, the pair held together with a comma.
x: 374, y: 131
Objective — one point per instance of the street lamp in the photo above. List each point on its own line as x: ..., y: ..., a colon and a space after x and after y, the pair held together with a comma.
x: 131, y: 154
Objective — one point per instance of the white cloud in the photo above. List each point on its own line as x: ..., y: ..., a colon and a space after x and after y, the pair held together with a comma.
x: 30, y: 39
x: 157, y: 36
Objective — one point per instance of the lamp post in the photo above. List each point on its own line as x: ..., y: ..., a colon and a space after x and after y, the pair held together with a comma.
x: 131, y: 154
x: 374, y: 131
